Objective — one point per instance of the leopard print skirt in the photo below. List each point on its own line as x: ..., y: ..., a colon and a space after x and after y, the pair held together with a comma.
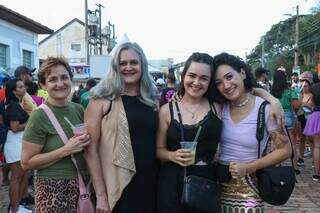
x: 56, y: 195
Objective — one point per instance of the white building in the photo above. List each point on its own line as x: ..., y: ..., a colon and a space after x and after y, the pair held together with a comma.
x: 19, y: 40
x: 68, y: 41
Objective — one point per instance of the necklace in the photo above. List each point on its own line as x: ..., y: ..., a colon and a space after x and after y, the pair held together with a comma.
x: 243, y: 103
x: 192, y: 112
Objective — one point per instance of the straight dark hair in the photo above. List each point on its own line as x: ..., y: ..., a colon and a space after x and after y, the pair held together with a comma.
x: 11, y: 85
x: 280, y: 84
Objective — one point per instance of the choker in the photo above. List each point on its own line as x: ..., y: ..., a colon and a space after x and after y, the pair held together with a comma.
x: 243, y: 103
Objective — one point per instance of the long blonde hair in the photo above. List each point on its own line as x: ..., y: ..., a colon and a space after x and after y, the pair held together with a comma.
x: 113, y: 85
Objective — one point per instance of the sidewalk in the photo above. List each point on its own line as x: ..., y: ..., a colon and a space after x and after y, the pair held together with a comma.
x: 306, y: 195
x: 305, y: 198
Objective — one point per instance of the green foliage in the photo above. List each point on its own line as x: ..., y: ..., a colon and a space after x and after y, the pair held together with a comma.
x: 279, y: 43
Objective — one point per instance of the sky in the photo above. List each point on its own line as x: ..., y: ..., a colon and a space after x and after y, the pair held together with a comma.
x: 173, y: 28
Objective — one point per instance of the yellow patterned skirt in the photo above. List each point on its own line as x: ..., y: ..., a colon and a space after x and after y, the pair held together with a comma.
x: 240, y: 195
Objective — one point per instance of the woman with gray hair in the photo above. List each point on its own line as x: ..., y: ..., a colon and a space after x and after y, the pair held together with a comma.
x: 122, y: 120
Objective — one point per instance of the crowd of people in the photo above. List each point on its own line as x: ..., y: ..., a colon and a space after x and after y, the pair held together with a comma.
x: 131, y: 147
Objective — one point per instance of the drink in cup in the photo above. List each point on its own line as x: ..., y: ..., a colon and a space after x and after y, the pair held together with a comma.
x: 190, y: 145
x: 79, y: 129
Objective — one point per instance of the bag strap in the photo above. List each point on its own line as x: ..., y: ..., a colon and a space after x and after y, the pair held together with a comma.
x: 64, y: 138
x: 182, y: 135
x: 261, y: 126
x: 180, y: 121
x: 171, y: 110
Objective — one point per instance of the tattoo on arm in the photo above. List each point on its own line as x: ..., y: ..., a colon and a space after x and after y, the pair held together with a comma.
x: 278, y: 137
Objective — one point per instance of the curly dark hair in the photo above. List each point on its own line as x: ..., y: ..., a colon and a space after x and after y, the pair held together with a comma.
x: 199, y: 58
x: 237, y: 64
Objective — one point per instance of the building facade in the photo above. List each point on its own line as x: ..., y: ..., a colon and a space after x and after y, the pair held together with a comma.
x: 18, y: 40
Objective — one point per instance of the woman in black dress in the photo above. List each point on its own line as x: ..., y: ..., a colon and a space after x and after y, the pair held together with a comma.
x: 122, y: 120
x: 196, y: 110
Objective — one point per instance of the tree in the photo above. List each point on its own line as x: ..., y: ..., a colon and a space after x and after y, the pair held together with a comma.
x: 279, y: 43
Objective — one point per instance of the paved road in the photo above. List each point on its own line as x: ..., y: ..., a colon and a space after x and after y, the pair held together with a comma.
x: 305, y: 198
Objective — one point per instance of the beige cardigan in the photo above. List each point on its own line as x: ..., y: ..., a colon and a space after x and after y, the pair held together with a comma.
x: 115, y: 151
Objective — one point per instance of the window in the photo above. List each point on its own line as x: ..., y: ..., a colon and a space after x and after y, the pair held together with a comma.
x: 76, y: 47
x: 3, y: 56
x: 27, y: 58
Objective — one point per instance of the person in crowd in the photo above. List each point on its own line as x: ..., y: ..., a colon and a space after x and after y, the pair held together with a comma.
x: 262, y: 78
x: 3, y: 89
x: 16, y: 119
x: 56, y: 181
x: 160, y: 85
x: 3, y: 132
x: 122, y: 119
x: 295, y: 84
x: 312, y: 129
x: 290, y: 102
x: 3, y: 129
x: 196, y: 110
x: 305, y: 109
x: 77, y: 94
x: 169, y: 90
x: 84, y: 98
x: 42, y: 93
x: 25, y: 74
x: 32, y: 89
x: 233, y: 82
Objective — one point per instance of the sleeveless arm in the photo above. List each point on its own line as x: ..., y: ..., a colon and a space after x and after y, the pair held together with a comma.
x: 92, y: 117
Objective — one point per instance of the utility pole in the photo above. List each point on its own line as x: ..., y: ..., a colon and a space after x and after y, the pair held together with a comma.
x: 86, y: 31
x: 296, y: 48
x: 262, y: 53
x: 99, y: 32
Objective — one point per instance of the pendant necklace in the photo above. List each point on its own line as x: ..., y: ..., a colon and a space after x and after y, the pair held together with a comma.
x: 192, y: 112
x: 243, y: 103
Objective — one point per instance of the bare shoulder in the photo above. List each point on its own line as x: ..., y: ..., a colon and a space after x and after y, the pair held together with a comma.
x: 98, y: 106
x: 164, y: 112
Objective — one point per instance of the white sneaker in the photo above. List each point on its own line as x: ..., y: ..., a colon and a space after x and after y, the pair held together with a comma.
x: 22, y: 209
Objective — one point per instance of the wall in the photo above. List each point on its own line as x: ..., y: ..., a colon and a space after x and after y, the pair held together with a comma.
x: 18, y: 39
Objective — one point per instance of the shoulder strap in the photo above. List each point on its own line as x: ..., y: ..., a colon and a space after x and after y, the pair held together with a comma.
x: 82, y: 187
x: 260, y: 125
x: 180, y: 121
x: 309, y: 99
x: 260, y: 130
x: 213, y: 109
x: 54, y: 122
x: 171, y: 110
x: 58, y: 128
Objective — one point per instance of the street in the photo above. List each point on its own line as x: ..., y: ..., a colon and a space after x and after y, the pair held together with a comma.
x: 305, y: 198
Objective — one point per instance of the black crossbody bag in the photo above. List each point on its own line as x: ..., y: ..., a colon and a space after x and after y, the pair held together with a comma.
x: 275, y: 183
x: 199, y: 193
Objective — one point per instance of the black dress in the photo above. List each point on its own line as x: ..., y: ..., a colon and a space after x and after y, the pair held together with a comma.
x: 171, y: 174
x: 140, y: 194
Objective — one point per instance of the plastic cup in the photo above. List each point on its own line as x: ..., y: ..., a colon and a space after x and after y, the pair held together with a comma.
x: 190, y: 145
x: 79, y: 129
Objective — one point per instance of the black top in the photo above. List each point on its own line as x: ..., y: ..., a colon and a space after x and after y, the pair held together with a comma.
x: 208, y: 139
x: 171, y: 174
x: 140, y: 194
x: 15, y: 112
